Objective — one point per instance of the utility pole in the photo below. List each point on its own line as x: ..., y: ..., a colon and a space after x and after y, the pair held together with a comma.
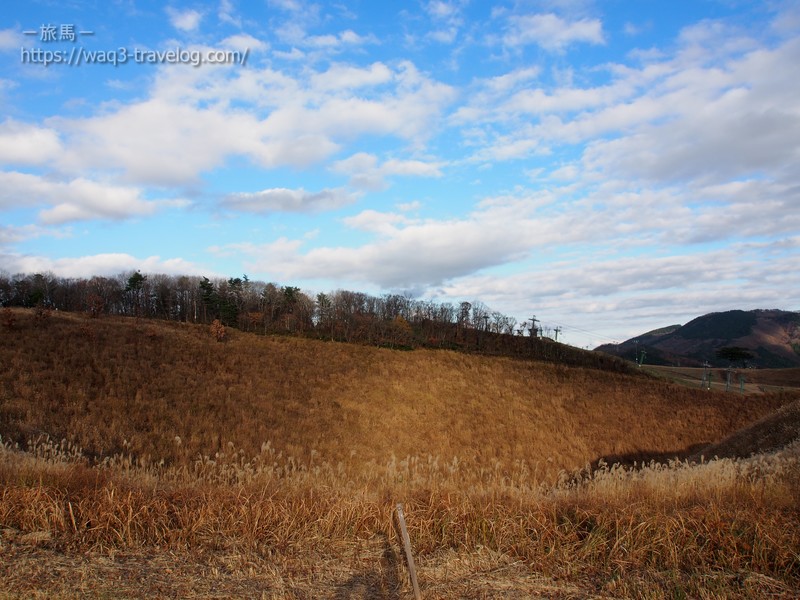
x: 557, y: 330
x: 705, y: 376
x: 534, y: 330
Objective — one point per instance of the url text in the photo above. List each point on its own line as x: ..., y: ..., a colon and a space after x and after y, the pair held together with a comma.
x: 77, y: 56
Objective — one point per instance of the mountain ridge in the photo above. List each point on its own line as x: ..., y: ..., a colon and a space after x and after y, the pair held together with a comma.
x: 771, y: 336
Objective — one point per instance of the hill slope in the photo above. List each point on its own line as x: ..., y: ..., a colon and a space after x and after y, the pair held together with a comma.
x: 169, y: 391
x: 772, y: 337
x: 774, y: 432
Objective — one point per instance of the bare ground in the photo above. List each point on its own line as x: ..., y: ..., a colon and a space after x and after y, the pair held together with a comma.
x: 33, y: 567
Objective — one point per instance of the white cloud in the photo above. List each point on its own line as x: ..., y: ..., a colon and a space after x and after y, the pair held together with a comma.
x: 185, y: 20
x: 702, y: 113
x: 565, y: 100
x: 409, y: 206
x: 567, y: 172
x: 346, y: 77
x: 447, y: 20
x: 366, y: 173
x: 442, y: 10
x: 376, y: 221
x: 24, y: 144
x: 286, y: 200
x: 607, y: 220
x: 99, y: 264
x: 736, y: 121
x: 443, y: 36
x: 363, y: 171
x: 415, y: 168
x: 243, y: 41
x: 551, y: 32
x: 411, y: 253
x: 12, y: 234
x: 76, y: 200
x: 194, y: 119
x: 227, y: 13
x: 287, y: 5
x: 351, y: 37
x: 787, y: 21
x: 11, y: 39
x: 409, y: 110
x: 159, y: 142
x: 621, y: 297
x: 295, y: 54
x: 508, y: 147
x: 323, y: 41
x: 331, y: 41
x: 509, y: 81
x: 634, y: 29
x: 486, y: 94
x: 280, y: 250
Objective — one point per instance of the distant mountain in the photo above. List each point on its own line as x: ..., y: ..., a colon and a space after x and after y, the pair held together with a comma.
x: 772, y: 337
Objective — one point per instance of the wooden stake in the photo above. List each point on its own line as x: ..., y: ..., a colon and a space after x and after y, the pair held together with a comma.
x: 412, y: 571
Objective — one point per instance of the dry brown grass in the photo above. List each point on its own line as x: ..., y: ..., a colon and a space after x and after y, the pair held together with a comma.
x: 114, y: 386
x: 773, y: 432
x: 729, y: 526
x: 165, y: 485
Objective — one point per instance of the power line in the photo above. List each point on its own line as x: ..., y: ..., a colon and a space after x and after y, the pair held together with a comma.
x: 587, y: 332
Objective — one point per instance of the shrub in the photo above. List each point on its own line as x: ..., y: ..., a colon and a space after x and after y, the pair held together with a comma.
x: 218, y: 331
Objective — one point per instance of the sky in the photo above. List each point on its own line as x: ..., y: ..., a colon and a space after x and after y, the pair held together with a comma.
x: 610, y: 167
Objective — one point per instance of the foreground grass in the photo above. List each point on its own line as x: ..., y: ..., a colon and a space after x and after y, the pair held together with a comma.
x: 275, y: 528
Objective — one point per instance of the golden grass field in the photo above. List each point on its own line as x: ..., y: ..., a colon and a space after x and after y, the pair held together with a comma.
x: 144, y: 459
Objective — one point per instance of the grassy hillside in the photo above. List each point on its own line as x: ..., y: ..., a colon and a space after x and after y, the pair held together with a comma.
x: 167, y: 391
x: 773, y: 432
x: 144, y: 459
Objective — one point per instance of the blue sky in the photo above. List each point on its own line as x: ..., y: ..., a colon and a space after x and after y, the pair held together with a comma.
x: 610, y: 167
